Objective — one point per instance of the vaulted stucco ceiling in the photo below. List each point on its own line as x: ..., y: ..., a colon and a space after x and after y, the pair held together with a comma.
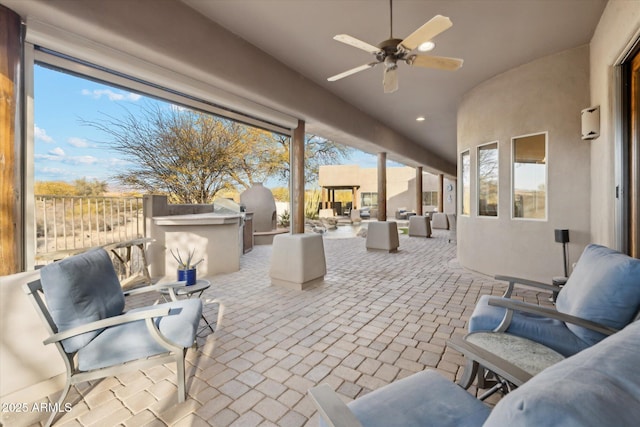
x: 492, y: 36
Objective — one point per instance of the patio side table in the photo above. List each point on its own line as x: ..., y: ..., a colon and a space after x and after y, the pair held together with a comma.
x: 510, y: 357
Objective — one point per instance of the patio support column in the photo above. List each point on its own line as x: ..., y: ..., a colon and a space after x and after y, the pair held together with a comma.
x: 419, y: 190
x: 297, y: 179
x: 11, y: 208
x: 382, y: 186
x: 441, y: 193
x: 353, y: 198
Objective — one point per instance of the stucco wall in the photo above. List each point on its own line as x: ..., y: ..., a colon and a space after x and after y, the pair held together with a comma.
x: 545, y: 95
x: 618, y: 27
x: 27, y: 366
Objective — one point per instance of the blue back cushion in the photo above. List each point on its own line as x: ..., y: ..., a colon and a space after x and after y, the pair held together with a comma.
x: 604, y: 288
x: 81, y: 289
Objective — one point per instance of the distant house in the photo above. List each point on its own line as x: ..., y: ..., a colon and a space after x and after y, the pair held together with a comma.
x: 362, y: 185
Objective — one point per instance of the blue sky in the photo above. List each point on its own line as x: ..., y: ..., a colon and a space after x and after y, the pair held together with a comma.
x: 66, y: 150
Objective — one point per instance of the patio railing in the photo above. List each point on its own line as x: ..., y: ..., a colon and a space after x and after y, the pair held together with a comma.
x: 71, y: 224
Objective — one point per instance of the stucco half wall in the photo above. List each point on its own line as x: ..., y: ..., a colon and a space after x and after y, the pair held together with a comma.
x: 545, y: 95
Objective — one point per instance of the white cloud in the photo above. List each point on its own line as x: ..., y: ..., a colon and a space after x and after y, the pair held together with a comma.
x: 111, y: 95
x: 41, y: 135
x: 57, y: 152
x: 85, y: 160
x: 55, y: 171
x: 113, y: 161
x: 78, y: 142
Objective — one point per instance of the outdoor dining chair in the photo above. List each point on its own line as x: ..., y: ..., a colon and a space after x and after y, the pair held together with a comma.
x: 81, y: 303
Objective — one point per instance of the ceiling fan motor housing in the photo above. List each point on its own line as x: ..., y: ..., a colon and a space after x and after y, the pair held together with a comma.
x: 389, y: 48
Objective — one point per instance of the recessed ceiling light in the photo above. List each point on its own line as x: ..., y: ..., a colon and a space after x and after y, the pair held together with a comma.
x: 426, y: 46
x: 420, y: 119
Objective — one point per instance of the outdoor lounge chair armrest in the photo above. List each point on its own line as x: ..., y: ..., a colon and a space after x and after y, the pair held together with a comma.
x: 491, y: 361
x: 518, y: 280
x: 331, y: 408
x: 551, y: 313
x: 108, y: 322
x: 154, y: 288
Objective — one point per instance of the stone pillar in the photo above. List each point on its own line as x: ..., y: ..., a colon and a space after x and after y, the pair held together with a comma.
x: 11, y: 206
x: 441, y: 193
x: 419, y: 190
x: 297, y: 179
x: 382, y: 186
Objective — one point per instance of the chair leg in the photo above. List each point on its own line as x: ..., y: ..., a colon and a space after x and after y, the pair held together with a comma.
x: 486, y: 378
x: 501, y: 385
x: 181, y: 376
x: 470, y: 371
x: 67, y: 387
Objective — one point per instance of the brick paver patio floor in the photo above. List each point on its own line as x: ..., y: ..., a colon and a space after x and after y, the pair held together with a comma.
x: 377, y: 317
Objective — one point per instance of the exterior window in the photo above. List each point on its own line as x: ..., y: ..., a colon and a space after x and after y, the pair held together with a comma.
x: 465, y: 198
x: 369, y: 199
x: 530, y: 176
x: 488, y: 179
x: 430, y: 198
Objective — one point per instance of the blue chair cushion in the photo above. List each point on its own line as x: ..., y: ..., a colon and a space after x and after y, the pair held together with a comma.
x: 604, y: 287
x: 132, y: 341
x: 81, y: 289
x: 425, y: 398
x: 599, y: 386
x: 550, y: 332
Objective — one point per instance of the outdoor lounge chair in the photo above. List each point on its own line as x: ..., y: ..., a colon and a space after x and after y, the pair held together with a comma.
x: 601, y: 296
x: 82, y: 310
x: 599, y: 386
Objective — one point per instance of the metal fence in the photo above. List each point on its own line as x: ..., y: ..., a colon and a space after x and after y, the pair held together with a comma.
x: 70, y: 224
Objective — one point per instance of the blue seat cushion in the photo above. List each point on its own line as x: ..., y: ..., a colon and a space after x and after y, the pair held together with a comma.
x: 424, y: 398
x: 599, y: 386
x: 604, y: 287
x: 79, y: 290
x: 550, y: 332
x: 133, y: 341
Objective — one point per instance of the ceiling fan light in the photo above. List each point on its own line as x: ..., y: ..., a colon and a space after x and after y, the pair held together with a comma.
x: 390, y: 62
x: 426, y: 46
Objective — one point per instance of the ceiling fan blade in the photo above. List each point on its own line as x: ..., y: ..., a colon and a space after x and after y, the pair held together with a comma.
x: 352, y: 41
x: 438, y: 62
x: 390, y: 80
x: 429, y: 30
x: 352, y: 71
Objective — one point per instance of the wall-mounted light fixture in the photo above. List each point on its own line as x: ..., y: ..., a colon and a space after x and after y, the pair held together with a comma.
x: 591, y: 122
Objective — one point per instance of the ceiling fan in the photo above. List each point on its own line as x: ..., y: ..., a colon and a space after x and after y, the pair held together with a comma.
x: 391, y: 51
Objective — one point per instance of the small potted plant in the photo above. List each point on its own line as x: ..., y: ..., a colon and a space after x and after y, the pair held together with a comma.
x: 186, y: 269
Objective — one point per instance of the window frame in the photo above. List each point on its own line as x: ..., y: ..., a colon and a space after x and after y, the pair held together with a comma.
x: 431, y: 195
x: 371, y: 195
x: 461, y: 205
x: 546, y: 177
x: 478, y: 148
